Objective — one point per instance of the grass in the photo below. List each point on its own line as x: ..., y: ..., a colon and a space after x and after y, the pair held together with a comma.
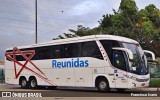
x: 154, y: 83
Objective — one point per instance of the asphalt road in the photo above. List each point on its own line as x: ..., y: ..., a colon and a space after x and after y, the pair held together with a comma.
x: 68, y: 93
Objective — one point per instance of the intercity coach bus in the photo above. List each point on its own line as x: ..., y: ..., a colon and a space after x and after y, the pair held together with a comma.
x: 101, y: 61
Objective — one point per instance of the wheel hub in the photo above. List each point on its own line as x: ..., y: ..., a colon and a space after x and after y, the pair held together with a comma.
x: 102, y: 85
x: 33, y: 83
x: 24, y: 83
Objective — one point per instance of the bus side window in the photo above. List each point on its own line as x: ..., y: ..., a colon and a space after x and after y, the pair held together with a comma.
x: 57, y: 51
x: 43, y: 53
x: 119, y: 60
x: 20, y: 58
x: 90, y: 49
x: 108, y: 45
x: 72, y: 50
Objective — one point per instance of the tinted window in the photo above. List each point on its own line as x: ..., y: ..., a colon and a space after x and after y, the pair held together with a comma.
x: 20, y: 57
x: 43, y: 53
x: 57, y: 52
x: 84, y: 49
x: 72, y: 50
x: 108, y: 45
x: 29, y: 49
x: 119, y: 60
x: 90, y: 49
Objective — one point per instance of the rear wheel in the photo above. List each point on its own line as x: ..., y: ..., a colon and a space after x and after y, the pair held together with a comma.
x: 33, y: 83
x: 23, y: 83
x: 103, y: 85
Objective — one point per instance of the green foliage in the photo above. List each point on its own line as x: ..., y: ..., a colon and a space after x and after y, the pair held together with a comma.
x: 128, y: 7
x: 147, y: 28
x: 142, y: 14
x: 106, y: 21
x: 142, y: 25
x: 81, y: 31
x: 154, y: 83
x: 153, y: 14
x: 119, y: 20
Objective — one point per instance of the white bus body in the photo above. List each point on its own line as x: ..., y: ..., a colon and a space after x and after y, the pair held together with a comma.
x: 102, y: 61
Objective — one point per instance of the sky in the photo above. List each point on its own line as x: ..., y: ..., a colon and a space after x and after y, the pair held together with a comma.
x: 55, y: 17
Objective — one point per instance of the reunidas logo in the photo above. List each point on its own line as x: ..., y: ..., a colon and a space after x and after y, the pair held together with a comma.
x: 70, y: 64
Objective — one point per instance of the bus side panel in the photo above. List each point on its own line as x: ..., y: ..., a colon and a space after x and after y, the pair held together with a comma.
x: 9, y: 76
x: 39, y: 71
x: 61, y: 77
x: 9, y: 72
x: 107, y: 72
x: 83, y: 77
x: 111, y: 84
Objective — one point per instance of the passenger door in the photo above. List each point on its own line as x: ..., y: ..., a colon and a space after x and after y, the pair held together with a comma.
x: 119, y: 62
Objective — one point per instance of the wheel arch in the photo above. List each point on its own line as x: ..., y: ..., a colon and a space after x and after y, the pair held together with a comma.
x: 99, y: 77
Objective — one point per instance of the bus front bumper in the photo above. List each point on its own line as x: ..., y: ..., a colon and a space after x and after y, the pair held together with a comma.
x: 137, y: 84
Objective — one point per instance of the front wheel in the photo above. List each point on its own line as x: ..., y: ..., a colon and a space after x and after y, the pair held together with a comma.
x: 33, y: 83
x: 103, y: 85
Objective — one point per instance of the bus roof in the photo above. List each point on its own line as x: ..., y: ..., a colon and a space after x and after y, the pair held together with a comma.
x: 79, y: 39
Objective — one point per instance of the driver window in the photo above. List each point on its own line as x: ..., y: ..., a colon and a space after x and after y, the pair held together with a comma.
x: 119, y: 60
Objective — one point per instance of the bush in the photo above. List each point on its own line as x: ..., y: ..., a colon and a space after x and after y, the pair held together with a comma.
x: 154, y: 83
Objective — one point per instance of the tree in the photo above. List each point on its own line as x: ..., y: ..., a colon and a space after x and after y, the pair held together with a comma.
x: 142, y: 25
x: 106, y: 21
x: 128, y: 6
x: 153, y: 14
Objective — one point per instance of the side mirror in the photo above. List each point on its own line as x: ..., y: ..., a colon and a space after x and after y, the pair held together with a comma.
x: 150, y: 55
x: 129, y: 52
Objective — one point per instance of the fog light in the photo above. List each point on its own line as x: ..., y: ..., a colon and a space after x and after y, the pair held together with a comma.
x: 134, y: 84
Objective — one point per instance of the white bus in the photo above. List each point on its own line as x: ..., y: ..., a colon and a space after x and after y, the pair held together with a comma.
x: 102, y: 61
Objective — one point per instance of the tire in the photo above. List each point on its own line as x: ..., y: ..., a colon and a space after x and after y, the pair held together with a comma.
x: 23, y: 83
x: 33, y: 83
x: 103, y: 85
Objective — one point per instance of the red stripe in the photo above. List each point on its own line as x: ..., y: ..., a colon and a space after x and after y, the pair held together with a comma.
x: 15, y: 52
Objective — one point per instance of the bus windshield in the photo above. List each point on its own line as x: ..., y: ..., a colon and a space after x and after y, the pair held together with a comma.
x: 139, y: 63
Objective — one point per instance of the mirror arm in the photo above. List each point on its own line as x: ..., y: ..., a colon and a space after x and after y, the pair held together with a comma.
x: 150, y: 52
x: 130, y: 54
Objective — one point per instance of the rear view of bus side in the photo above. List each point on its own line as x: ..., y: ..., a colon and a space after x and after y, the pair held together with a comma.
x: 102, y: 61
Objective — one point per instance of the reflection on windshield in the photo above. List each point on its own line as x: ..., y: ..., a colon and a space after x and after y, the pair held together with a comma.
x: 139, y: 59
